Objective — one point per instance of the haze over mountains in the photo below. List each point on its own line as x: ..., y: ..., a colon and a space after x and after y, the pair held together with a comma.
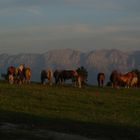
x: 94, y: 61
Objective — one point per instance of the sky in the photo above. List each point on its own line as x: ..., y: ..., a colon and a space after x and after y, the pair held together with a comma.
x: 37, y: 26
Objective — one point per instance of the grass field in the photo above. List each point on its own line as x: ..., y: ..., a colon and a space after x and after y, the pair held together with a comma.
x: 91, y: 112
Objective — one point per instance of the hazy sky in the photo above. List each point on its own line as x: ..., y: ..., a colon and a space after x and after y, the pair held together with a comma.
x: 36, y: 26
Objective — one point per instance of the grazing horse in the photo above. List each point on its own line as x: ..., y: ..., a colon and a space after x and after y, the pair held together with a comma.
x: 114, y: 79
x: 11, y: 70
x: 126, y: 79
x: 27, y: 74
x: 46, y: 74
x: 134, y: 79
x: 134, y: 82
x: 21, y: 67
x: 73, y: 75
x: 129, y: 78
x: 18, y: 75
x: 58, y: 77
x: 62, y: 75
x: 100, y: 79
x: 69, y: 74
x: 117, y: 79
x: 10, y: 74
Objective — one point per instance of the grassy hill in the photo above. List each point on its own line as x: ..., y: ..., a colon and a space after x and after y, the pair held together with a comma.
x: 91, y: 112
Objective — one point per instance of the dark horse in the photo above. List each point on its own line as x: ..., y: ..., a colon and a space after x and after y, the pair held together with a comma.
x: 46, y: 74
x: 114, y: 79
x: 100, y: 79
x: 62, y: 75
x: 58, y: 76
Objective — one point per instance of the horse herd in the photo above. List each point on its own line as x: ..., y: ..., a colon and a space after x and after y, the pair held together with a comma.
x: 129, y: 79
x: 22, y: 74
x: 117, y: 79
x: 61, y: 76
x: 19, y: 75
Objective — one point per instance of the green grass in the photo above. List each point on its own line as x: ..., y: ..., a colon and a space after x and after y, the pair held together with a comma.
x: 89, y: 107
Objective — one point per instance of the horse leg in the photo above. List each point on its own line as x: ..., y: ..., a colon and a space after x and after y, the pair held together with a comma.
x: 11, y: 79
x: 79, y: 82
x: 102, y: 83
x: 50, y: 82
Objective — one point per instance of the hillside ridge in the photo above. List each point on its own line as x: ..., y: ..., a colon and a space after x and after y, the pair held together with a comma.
x: 94, y: 61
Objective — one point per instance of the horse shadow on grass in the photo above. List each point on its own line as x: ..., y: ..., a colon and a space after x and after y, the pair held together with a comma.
x: 15, y: 125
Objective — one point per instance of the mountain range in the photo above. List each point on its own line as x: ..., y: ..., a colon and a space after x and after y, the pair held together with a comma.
x: 94, y: 61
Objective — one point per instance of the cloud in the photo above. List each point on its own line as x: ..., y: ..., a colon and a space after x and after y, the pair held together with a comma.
x: 81, y: 36
x: 51, y: 32
x: 74, y: 23
x: 22, y: 3
x: 55, y: 32
x: 98, y: 4
x: 14, y: 7
x: 35, y: 6
x: 128, y: 40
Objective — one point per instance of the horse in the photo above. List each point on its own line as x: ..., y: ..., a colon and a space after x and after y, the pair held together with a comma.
x: 114, y: 78
x: 11, y: 70
x: 100, y: 79
x: 21, y: 67
x: 126, y: 79
x: 58, y: 76
x: 117, y: 79
x: 134, y: 79
x: 10, y: 74
x: 46, y: 74
x: 18, y: 74
x: 129, y: 79
x: 69, y: 74
x: 27, y: 74
x: 73, y: 75
x: 134, y: 82
x: 62, y: 75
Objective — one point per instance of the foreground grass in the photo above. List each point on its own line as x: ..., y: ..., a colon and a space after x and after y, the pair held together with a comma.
x: 90, y: 108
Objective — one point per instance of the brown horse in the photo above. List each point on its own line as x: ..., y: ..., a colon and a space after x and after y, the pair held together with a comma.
x: 27, y: 74
x: 126, y: 79
x: 117, y: 79
x: 11, y: 70
x: 46, y: 74
x: 18, y: 75
x: 100, y: 79
x: 10, y: 74
x: 114, y: 79
x: 22, y: 74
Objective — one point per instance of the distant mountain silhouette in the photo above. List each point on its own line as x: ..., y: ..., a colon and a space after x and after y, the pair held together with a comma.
x: 94, y: 61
